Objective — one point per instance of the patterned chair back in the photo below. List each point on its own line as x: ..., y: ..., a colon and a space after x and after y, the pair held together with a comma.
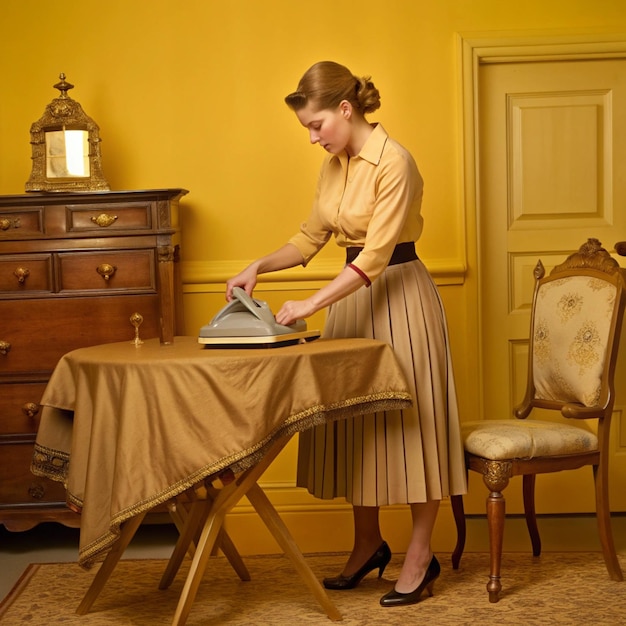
x: 571, y: 335
x: 576, y: 325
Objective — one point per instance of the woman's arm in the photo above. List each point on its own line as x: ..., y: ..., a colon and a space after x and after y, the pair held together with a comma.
x: 287, y: 256
x: 342, y: 285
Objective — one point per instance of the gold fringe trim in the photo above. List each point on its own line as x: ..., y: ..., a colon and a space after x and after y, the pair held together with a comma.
x: 313, y: 416
x: 50, y: 463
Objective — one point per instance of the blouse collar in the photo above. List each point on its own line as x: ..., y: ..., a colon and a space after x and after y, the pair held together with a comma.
x: 372, y: 149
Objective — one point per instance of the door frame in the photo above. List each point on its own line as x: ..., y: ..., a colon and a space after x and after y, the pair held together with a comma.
x: 474, y: 50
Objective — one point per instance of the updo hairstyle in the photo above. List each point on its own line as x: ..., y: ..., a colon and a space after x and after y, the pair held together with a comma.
x: 326, y: 84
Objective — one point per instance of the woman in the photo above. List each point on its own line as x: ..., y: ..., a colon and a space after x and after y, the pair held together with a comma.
x: 369, y: 197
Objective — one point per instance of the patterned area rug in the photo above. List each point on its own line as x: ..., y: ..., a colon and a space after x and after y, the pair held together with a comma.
x: 556, y: 588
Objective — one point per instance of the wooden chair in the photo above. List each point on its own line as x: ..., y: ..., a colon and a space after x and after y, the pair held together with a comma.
x: 575, y: 328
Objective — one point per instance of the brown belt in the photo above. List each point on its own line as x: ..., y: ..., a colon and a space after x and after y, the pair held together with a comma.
x: 402, y: 253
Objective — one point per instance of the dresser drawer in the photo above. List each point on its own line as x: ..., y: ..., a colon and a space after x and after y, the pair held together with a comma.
x: 40, y: 332
x: 25, y: 274
x: 105, y: 218
x: 18, y: 484
x: 19, y: 407
x: 100, y: 271
x: 18, y: 222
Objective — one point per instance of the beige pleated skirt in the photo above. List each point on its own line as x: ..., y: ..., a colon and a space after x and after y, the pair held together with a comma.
x: 393, y: 457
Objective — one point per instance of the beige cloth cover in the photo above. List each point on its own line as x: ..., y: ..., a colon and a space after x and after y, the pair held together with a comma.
x: 127, y: 428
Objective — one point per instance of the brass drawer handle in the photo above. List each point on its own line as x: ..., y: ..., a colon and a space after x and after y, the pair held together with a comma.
x: 30, y: 409
x: 36, y: 491
x: 21, y: 273
x: 103, y: 220
x: 6, y: 223
x: 105, y: 270
x: 5, y: 346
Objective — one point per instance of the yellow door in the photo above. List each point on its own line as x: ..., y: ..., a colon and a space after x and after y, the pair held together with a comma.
x: 552, y: 163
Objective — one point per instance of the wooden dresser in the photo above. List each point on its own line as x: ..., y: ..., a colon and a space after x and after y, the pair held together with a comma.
x: 74, y: 267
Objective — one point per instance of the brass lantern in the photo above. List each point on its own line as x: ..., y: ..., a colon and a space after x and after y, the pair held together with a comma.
x: 65, y: 147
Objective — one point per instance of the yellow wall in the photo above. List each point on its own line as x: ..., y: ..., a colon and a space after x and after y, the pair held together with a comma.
x: 190, y: 93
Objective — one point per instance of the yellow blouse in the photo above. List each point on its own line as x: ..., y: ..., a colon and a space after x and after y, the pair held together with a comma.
x: 371, y: 200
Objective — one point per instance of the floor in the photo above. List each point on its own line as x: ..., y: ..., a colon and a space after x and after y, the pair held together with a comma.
x: 53, y: 543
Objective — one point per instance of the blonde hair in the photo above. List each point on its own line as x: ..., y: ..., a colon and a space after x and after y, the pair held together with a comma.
x: 327, y: 83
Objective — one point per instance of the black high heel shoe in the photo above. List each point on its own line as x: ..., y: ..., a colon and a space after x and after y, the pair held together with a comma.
x: 395, y: 598
x: 379, y: 560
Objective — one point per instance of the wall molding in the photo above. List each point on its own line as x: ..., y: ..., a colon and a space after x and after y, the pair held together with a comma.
x: 210, y: 276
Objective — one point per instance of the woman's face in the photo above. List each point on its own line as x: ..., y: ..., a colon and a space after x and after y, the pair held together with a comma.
x: 328, y: 127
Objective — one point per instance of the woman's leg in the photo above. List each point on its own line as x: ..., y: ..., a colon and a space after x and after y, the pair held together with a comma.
x: 418, y: 554
x: 368, y: 553
x: 367, y: 537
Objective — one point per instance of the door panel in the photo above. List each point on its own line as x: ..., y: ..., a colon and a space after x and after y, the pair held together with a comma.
x: 552, y: 157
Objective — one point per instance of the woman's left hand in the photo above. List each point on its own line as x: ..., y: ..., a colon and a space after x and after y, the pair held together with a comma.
x: 294, y: 310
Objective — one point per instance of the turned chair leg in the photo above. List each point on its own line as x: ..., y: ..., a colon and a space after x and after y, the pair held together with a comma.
x: 528, y: 487
x: 459, y: 519
x: 495, y: 521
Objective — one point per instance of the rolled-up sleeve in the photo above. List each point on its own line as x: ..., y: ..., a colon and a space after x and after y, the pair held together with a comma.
x: 315, y: 232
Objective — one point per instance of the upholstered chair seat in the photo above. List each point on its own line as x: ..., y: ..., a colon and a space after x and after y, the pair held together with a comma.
x: 499, y: 440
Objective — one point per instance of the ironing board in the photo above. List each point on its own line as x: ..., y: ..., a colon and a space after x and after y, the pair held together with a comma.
x: 127, y: 428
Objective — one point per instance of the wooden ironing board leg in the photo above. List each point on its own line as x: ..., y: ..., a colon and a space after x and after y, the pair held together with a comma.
x: 281, y: 533
x: 228, y: 496
x: 128, y: 531
x: 227, y: 546
x: 209, y: 535
x: 202, y: 524
x: 196, y: 518
x: 193, y: 522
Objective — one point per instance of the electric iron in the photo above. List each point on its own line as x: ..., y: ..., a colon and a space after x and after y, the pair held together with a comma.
x: 248, y: 322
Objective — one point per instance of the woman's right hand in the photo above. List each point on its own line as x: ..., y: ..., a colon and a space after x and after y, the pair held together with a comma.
x: 246, y: 279
x: 287, y: 256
